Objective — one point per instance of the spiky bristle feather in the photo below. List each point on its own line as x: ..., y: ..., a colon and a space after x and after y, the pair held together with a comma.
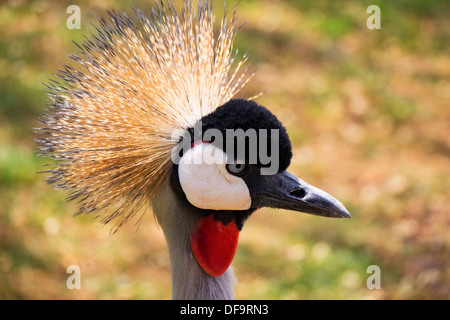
x: 110, y: 120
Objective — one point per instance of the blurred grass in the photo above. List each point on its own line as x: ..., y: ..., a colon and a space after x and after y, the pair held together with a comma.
x: 367, y: 111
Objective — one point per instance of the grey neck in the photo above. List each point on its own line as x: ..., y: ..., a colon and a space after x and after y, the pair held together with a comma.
x: 189, y: 281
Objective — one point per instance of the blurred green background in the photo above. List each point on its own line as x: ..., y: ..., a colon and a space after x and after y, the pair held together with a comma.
x: 368, y: 113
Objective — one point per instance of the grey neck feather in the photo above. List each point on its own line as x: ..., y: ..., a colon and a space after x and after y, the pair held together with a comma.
x: 189, y: 281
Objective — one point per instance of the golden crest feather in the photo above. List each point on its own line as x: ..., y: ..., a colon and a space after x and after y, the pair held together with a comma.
x: 110, y: 119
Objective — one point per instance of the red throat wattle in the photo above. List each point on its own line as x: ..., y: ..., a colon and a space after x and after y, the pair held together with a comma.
x: 214, y: 245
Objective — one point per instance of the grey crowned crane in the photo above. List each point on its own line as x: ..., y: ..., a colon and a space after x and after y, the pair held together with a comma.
x: 146, y: 118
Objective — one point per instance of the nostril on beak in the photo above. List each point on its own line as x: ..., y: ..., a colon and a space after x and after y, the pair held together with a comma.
x: 298, y: 193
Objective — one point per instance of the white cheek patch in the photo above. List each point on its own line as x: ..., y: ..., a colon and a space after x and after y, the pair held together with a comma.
x: 206, y: 182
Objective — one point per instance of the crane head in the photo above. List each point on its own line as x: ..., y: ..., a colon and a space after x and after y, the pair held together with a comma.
x: 231, y: 163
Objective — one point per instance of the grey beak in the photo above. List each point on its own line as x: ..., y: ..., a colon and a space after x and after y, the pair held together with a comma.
x: 285, y: 191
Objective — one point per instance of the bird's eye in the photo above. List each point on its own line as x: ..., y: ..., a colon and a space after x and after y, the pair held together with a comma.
x: 236, y: 168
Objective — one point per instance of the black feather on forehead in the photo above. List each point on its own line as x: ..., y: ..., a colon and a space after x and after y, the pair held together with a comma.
x: 247, y: 114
